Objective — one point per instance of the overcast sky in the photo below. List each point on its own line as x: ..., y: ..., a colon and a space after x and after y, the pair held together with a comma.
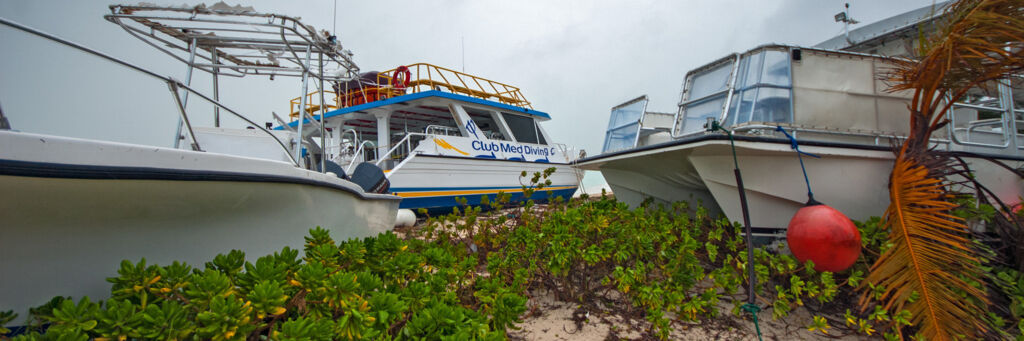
x: 572, y: 59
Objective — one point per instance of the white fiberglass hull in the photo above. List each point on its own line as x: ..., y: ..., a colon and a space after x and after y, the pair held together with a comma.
x: 852, y: 180
x: 73, y: 209
x: 433, y: 182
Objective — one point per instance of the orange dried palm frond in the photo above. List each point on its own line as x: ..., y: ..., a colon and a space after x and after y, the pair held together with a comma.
x: 930, y: 256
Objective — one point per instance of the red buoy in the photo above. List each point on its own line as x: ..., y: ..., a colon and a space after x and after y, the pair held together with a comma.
x: 824, y: 235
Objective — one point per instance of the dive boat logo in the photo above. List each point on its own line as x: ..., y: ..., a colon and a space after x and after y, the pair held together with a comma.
x: 444, y: 144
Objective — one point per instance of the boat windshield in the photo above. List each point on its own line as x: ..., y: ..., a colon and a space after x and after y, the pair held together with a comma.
x: 757, y: 88
x: 624, y: 125
x: 763, y: 89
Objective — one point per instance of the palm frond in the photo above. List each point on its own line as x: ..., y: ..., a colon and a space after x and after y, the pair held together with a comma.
x: 930, y: 257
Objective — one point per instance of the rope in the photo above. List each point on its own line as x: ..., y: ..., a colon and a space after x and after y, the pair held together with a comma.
x: 753, y: 309
x: 793, y: 145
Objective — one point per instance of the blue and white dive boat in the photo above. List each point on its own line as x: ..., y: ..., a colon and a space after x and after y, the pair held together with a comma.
x: 439, y: 134
x: 72, y: 209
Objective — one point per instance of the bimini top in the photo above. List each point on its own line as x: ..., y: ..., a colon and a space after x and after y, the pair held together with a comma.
x: 414, y: 89
x: 236, y: 41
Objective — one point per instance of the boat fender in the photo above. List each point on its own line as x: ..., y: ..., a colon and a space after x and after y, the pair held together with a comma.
x: 824, y: 235
x: 371, y: 178
x: 403, y: 81
x: 405, y: 218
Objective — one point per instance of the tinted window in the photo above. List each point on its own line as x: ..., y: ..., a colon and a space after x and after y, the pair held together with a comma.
x: 486, y: 124
x: 522, y: 127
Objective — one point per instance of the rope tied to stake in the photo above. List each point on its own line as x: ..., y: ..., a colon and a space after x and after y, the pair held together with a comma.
x: 750, y: 307
x: 753, y: 309
x: 795, y: 146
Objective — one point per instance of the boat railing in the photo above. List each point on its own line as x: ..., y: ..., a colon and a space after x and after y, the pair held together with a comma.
x: 424, y: 77
x: 421, y: 77
x: 796, y: 130
x: 359, y: 155
x: 570, y: 153
x: 434, y: 129
x: 312, y: 105
x: 405, y: 142
x: 1006, y: 122
x: 173, y: 85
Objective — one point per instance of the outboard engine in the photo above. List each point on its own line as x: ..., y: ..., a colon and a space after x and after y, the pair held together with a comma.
x: 371, y: 178
x: 332, y: 167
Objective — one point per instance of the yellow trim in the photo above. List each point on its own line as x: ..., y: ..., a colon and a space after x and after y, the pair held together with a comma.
x: 468, y: 192
x: 444, y: 144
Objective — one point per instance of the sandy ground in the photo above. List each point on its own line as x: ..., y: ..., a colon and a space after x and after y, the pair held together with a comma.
x: 550, y: 319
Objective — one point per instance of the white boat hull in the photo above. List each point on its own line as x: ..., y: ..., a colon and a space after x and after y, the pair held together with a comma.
x: 433, y: 182
x: 67, y: 226
x: 853, y: 180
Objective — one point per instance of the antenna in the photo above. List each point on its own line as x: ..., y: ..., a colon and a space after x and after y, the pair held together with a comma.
x: 335, y: 28
x: 845, y: 18
x: 463, y: 53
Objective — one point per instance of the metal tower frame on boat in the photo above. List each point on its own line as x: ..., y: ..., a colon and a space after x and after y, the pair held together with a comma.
x: 240, y: 42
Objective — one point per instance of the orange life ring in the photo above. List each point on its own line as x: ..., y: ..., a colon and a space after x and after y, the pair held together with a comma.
x: 401, y: 82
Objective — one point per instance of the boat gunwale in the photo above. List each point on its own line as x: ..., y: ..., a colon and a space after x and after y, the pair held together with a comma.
x: 38, y: 169
x: 777, y: 140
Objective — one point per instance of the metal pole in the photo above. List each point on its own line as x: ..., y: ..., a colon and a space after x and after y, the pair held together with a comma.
x: 323, y: 111
x: 182, y: 116
x: 216, y: 89
x: 1006, y: 95
x: 188, y: 82
x: 302, y: 104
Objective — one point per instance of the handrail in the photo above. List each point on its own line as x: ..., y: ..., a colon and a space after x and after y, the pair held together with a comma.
x: 172, y: 83
x: 355, y: 134
x: 400, y: 164
x: 442, y: 128
x: 359, y: 152
x: 293, y: 111
x: 795, y: 129
x: 406, y: 140
x: 1008, y: 136
x: 422, y: 78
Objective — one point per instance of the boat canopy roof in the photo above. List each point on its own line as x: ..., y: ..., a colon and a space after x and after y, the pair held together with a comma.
x: 237, y: 41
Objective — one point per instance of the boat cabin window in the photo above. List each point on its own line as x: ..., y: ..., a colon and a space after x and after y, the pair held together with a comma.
x: 624, y: 125
x: 763, y: 89
x: 705, y: 96
x: 523, y: 128
x: 486, y: 124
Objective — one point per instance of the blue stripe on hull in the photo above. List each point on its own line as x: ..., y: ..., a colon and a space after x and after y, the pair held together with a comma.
x: 445, y: 203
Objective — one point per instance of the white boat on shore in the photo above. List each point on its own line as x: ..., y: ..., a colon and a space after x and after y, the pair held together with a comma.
x: 836, y: 106
x: 72, y: 209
